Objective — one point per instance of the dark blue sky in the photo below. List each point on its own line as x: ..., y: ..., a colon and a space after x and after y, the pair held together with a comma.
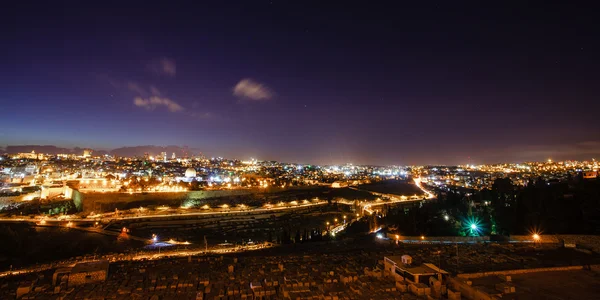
x: 306, y: 82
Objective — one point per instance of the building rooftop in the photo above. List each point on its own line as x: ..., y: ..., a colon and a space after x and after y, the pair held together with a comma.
x: 92, y: 266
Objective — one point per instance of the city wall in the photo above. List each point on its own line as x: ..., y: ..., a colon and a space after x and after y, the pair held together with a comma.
x: 99, y: 202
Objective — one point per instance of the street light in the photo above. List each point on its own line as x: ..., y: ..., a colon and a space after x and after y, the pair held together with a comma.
x: 473, y: 226
x: 536, y: 237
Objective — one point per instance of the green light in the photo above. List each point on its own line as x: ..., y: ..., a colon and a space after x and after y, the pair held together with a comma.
x: 473, y: 226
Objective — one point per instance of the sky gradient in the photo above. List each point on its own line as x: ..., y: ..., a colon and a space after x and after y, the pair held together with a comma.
x: 434, y: 83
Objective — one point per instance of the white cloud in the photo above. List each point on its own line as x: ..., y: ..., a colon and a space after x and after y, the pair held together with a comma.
x: 248, y: 89
x: 155, y: 101
x: 163, y: 66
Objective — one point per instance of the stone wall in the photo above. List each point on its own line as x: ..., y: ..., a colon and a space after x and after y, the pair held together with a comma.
x: 590, y: 242
x: 519, y: 271
x: 439, y: 239
x: 109, y: 201
x: 463, y: 286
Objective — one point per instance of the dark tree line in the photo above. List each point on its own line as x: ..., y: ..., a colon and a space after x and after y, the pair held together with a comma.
x: 551, y: 207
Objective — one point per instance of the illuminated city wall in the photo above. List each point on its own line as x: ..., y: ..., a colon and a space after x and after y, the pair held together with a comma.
x: 104, y: 202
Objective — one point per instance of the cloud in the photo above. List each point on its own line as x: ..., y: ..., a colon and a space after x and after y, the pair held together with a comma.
x: 163, y: 66
x: 136, y: 88
x: 202, y: 115
x: 248, y: 89
x: 155, y: 91
x: 155, y: 101
x: 152, y: 98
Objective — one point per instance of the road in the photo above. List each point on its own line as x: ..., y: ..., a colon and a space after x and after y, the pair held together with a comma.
x: 64, y: 220
x: 138, y: 256
x: 71, y: 221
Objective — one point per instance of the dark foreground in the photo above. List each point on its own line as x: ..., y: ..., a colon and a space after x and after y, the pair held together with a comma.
x: 348, y: 269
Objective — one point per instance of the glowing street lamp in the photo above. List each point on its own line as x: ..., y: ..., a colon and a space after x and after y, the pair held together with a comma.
x: 446, y: 217
x: 536, y: 237
x: 473, y: 226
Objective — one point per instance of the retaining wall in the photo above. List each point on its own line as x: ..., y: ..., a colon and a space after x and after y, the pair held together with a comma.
x: 520, y: 271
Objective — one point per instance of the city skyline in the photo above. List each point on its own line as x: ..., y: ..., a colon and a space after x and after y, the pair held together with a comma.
x: 306, y: 83
x: 153, y: 151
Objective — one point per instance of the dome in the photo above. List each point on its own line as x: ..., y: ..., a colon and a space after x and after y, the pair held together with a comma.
x: 190, y: 172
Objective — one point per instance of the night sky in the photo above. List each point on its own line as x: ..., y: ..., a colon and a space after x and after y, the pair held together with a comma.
x: 366, y: 83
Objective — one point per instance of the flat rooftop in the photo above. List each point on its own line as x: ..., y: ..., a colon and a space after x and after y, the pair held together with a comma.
x: 420, y: 269
x: 92, y: 266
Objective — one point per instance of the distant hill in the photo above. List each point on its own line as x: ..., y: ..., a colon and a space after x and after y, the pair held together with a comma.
x: 123, y: 151
x: 153, y: 150
x: 50, y: 149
